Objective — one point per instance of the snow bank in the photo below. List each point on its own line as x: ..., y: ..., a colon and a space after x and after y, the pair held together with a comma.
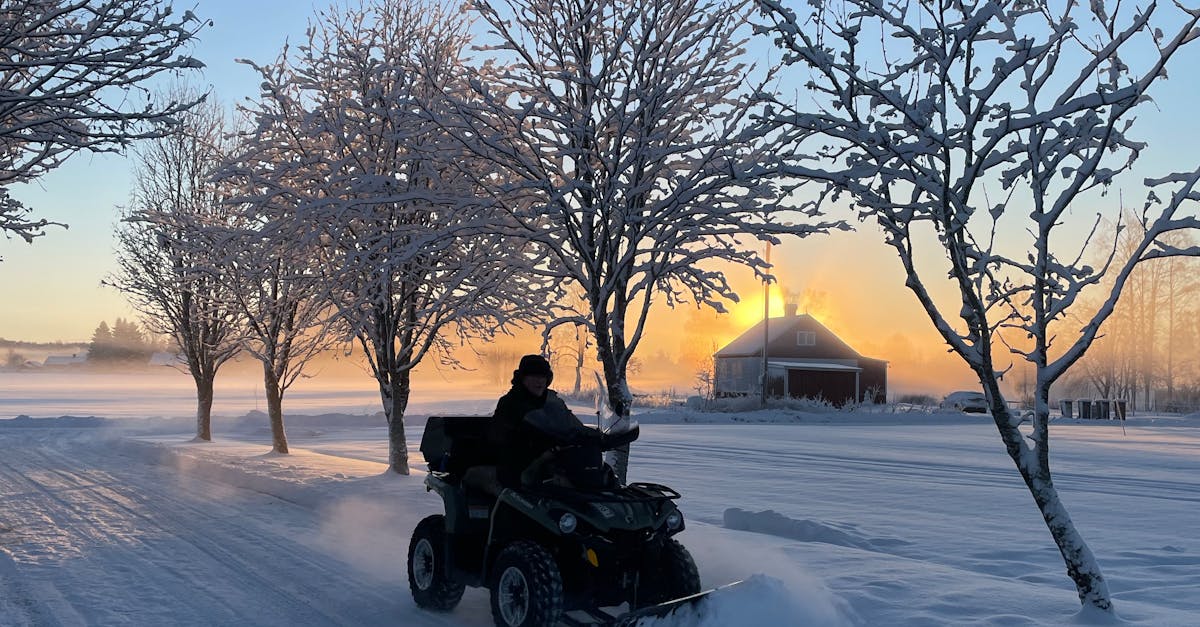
x: 776, y: 524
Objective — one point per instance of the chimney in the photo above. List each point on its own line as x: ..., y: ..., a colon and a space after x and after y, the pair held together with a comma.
x: 790, y: 309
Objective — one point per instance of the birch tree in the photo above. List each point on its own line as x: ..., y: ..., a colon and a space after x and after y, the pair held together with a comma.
x: 161, y: 253
x: 618, y: 127
x: 942, y: 122
x: 411, y: 262
x: 72, y: 78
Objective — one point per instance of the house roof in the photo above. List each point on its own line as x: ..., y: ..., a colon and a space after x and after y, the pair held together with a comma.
x: 750, y: 343
x: 65, y: 360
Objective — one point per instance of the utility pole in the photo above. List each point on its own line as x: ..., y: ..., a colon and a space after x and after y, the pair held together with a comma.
x: 766, y: 327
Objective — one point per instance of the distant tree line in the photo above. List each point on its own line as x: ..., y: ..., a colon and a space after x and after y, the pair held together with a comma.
x: 1149, y: 352
x: 18, y: 352
x: 123, y: 342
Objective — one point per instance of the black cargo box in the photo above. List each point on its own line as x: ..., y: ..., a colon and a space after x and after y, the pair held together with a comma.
x: 454, y: 443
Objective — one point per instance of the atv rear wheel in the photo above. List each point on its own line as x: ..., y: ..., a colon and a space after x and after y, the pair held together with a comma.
x: 527, y: 587
x: 428, y: 574
x: 674, y: 575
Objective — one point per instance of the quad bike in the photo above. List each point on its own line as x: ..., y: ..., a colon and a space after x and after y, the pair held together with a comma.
x: 549, y: 554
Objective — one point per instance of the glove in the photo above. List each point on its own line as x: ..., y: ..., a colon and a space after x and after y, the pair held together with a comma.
x: 609, y: 441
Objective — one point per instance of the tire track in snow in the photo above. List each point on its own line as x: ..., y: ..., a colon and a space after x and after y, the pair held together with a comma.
x: 247, y: 568
x: 813, y: 464
x: 91, y: 528
x: 49, y: 531
x: 17, y: 605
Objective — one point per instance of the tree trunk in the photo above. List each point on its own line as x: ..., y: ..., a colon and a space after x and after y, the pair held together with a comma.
x: 204, y: 401
x: 578, y: 378
x: 1171, y: 333
x: 395, y: 402
x: 275, y: 410
x: 1034, y: 466
x: 580, y: 349
x: 621, y: 403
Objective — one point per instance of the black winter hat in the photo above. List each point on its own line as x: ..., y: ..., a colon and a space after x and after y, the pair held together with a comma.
x: 533, y: 365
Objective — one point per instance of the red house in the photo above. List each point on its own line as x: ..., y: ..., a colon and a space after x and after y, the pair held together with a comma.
x: 804, y: 360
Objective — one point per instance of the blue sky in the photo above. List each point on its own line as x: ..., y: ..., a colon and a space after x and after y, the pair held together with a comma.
x: 52, y: 287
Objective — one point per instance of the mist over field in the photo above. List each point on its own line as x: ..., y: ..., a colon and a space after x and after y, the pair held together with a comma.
x: 170, y: 394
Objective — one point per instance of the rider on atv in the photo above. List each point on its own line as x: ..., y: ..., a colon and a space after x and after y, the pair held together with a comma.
x: 537, y: 438
x: 548, y: 529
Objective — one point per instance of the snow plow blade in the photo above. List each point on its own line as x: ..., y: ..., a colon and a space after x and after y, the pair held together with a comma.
x: 663, y: 609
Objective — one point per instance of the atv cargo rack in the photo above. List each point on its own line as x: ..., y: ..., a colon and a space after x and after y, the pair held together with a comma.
x: 643, y: 493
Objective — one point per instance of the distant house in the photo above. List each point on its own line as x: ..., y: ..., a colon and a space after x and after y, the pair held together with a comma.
x: 66, y: 360
x: 804, y: 360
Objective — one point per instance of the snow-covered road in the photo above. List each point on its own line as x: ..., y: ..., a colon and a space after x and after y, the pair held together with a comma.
x: 92, y: 537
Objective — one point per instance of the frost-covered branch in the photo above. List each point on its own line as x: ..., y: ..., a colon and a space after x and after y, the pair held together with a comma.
x: 164, y: 262
x: 618, y: 128
x: 73, y: 76
x: 350, y: 147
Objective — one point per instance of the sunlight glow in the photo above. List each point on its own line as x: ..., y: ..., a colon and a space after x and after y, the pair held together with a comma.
x: 749, y: 311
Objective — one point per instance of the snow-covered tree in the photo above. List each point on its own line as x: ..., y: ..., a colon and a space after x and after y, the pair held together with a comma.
x: 163, y: 256
x: 570, y: 348
x: 72, y: 76
x: 618, y: 127
x: 974, y: 134
x: 276, y: 291
x: 410, y: 261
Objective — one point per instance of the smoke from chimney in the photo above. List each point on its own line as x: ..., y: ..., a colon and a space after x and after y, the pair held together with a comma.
x: 791, y: 302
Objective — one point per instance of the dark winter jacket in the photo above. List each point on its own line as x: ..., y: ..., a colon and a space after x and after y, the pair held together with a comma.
x: 524, y: 427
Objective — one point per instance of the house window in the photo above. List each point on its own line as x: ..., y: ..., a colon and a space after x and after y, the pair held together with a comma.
x: 806, y: 338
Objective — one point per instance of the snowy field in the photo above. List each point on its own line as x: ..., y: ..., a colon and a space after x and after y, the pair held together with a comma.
x: 834, y: 519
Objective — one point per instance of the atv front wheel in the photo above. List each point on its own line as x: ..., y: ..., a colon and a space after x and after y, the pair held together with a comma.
x: 428, y: 574
x: 527, y: 588
x: 674, y: 575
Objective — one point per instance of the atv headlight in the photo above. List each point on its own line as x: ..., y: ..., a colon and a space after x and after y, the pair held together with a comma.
x: 674, y: 520
x: 567, y: 522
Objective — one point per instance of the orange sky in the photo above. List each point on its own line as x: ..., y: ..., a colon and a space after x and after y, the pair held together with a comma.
x: 854, y: 285
x: 848, y: 281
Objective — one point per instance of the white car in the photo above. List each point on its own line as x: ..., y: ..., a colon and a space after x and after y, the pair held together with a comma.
x: 965, y: 400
